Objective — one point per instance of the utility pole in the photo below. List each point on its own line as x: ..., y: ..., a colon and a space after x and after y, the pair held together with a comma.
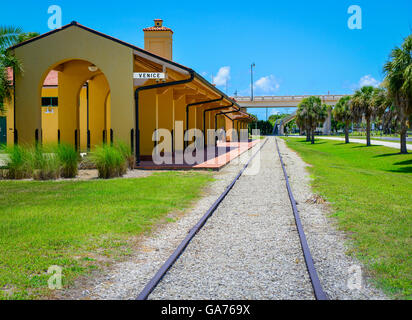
x: 251, y: 80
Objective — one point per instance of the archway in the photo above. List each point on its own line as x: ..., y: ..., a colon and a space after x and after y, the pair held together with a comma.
x: 83, y: 106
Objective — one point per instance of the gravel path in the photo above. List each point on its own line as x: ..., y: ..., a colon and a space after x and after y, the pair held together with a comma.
x: 249, y: 248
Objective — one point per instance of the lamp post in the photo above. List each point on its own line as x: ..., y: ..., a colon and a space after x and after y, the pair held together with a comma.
x: 251, y: 80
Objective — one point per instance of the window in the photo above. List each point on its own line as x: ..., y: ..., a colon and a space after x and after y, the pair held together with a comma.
x: 49, y: 101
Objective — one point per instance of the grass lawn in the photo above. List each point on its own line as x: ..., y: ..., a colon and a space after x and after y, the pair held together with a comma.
x: 370, y: 191
x: 73, y: 224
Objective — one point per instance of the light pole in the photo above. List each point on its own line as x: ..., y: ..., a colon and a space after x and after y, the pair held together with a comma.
x: 251, y: 80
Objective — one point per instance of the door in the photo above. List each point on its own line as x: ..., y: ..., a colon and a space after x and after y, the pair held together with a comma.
x: 3, y: 130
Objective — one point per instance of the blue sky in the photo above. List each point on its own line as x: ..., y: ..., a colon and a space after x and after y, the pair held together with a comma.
x: 299, y: 47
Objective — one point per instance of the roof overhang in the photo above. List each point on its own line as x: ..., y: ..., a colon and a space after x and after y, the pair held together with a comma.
x: 162, y: 62
x: 138, y: 52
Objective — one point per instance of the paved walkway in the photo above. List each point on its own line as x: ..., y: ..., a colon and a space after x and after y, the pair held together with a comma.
x: 224, y: 153
x: 395, y: 145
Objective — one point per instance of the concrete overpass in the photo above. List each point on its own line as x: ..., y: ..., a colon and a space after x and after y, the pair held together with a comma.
x: 282, y: 101
x: 287, y: 102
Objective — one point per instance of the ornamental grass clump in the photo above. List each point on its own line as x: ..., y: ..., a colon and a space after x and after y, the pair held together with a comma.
x: 18, y: 165
x: 69, y: 159
x: 109, y: 161
x: 126, y: 151
x: 45, y: 164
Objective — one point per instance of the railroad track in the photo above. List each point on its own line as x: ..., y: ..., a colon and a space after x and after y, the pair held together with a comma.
x: 318, y: 292
x: 314, y: 279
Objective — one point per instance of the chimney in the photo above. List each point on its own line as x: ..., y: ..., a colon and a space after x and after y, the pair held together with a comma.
x: 159, y: 39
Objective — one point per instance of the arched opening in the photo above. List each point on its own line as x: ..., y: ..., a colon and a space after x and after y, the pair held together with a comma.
x: 75, y: 105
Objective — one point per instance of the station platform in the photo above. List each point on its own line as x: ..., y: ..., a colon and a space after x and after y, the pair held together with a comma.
x: 224, y: 153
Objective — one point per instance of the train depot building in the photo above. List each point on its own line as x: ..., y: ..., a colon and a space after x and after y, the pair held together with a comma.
x: 85, y: 88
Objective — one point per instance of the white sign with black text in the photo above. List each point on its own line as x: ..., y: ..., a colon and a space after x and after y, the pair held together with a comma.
x: 149, y: 75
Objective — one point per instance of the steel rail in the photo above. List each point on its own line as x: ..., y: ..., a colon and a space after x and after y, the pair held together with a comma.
x: 317, y: 287
x: 182, y: 246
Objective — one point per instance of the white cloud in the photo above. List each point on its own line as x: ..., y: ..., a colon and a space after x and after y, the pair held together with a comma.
x: 223, y: 75
x: 267, y: 84
x: 368, y: 80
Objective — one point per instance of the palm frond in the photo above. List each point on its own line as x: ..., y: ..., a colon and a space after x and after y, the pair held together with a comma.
x: 9, y: 36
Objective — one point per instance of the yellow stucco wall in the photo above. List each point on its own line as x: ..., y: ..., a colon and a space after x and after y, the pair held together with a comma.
x: 49, y: 118
x: 39, y: 57
x: 159, y: 42
x: 83, y: 119
x: 111, y: 92
x: 147, y: 120
x: 9, y: 114
x: 98, y: 92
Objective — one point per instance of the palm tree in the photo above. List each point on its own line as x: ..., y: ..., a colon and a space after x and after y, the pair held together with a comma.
x: 382, y: 104
x: 302, y: 119
x: 398, y: 71
x: 310, y: 112
x: 321, y: 111
x: 362, y: 106
x: 9, y: 36
x: 342, y: 112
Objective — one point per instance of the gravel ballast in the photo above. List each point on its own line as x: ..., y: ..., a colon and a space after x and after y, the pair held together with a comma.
x: 248, y: 249
x: 125, y: 280
x: 328, y: 245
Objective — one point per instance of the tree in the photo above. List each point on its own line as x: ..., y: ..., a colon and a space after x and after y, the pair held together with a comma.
x: 9, y: 36
x: 362, y: 107
x: 290, y: 126
x: 383, y: 107
x: 310, y: 113
x: 398, y: 80
x: 302, y: 117
x: 342, y: 112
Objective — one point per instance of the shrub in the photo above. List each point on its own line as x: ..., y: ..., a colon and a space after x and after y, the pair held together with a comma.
x: 68, y: 159
x: 18, y: 163
x: 126, y: 151
x: 45, y: 164
x: 109, y: 161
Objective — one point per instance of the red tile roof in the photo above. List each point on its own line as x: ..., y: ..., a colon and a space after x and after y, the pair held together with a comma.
x: 158, y: 26
x: 10, y: 74
x: 155, y: 28
x: 52, y: 78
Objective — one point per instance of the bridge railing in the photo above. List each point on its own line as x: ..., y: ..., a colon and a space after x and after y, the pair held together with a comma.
x: 288, y: 98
